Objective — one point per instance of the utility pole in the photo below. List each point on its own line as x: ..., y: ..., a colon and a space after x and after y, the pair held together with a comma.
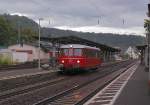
x: 98, y: 21
x: 19, y: 32
x: 39, y: 28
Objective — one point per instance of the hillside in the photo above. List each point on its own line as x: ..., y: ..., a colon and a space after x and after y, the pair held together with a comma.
x: 9, y: 29
x: 115, y: 40
x: 30, y: 27
x: 23, y: 21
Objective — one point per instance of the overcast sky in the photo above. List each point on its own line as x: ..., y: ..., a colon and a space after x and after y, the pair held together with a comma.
x: 83, y: 15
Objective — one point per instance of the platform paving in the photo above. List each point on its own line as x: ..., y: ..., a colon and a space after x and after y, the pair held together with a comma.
x: 109, y: 94
x: 24, y: 72
x: 136, y: 90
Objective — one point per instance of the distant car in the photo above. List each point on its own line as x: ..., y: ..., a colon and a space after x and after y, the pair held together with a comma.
x: 79, y: 57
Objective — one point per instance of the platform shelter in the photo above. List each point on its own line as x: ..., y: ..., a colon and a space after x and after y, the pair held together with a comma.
x: 108, y: 51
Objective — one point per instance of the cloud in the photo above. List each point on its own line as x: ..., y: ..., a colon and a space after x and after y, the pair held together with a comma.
x: 80, y: 13
x: 100, y: 29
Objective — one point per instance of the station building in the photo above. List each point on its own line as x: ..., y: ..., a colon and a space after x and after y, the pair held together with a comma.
x: 27, y: 53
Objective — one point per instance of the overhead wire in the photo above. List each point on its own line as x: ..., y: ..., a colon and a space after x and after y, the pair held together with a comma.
x: 98, y: 11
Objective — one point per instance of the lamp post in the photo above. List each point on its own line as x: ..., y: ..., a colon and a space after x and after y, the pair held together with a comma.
x: 39, y: 29
x: 148, y: 43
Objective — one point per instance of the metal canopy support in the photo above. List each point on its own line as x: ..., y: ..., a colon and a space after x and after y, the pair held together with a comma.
x: 107, y: 55
x: 104, y: 56
x: 110, y: 56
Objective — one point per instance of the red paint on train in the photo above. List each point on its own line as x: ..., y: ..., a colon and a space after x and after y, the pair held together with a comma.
x: 79, y: 57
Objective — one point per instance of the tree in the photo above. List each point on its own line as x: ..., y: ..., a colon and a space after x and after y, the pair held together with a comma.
x: 147, y: 25
x: 5, y: 32
x: 9, y: 32
x: 27, y: 35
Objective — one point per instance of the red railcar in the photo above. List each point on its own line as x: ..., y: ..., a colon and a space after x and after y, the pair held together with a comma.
x: 80, y: 57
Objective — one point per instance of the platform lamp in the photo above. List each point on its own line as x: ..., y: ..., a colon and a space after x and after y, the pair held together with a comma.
x: 39, y: 29
x: 148, y: 42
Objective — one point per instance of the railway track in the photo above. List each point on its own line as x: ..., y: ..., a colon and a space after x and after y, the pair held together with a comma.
x: 74, y: 96
x: 21, y: 90
x: 33, y: 65
x: 28, y: 89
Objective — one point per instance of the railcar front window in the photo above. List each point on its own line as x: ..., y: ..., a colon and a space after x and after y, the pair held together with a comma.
x: 77, y: 52
x: 64, y: 52
x: 70, y: 52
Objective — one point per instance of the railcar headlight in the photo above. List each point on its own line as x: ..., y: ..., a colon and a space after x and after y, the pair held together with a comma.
x: 62, y: 61
x: 78, y: 61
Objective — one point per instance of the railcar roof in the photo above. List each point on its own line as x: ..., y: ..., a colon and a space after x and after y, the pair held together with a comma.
x: 78, y: 46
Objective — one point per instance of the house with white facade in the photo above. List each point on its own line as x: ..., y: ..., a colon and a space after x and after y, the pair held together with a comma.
x: 27, y: 52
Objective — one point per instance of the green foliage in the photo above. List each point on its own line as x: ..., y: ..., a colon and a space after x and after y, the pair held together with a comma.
x: 147, y: 25
x: 22, y: 21
x: 9, y: 29
x: 27, y: 35
x: 5, y: 32
x: 5, y: 60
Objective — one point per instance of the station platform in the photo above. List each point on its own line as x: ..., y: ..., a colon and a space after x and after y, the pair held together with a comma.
x: 130, y: 88
x: 21, y: 73
x: 136, y: 90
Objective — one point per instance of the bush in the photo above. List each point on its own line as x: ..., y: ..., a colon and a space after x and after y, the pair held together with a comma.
x: 5, y: 60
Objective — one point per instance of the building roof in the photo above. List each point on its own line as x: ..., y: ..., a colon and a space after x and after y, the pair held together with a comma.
x: 77, y: 40
x: 43, y: 47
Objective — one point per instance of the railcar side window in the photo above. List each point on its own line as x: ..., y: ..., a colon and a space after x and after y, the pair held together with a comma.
x: 77, y: 52
x: 91, y: 53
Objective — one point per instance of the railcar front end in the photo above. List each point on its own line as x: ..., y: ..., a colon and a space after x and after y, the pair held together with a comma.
x: 78, y: 57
